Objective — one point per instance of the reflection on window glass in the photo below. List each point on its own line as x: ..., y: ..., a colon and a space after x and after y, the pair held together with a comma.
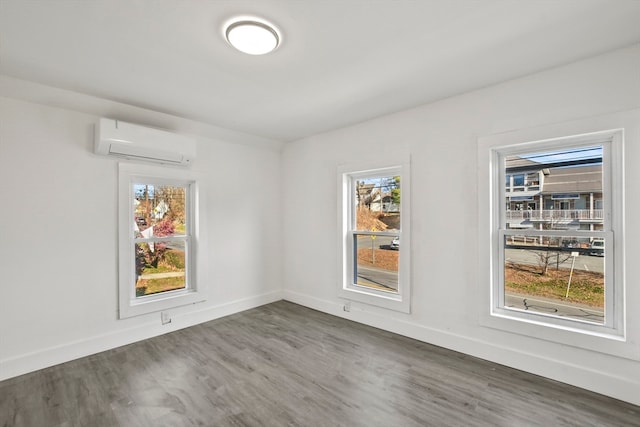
x: 377, y: 259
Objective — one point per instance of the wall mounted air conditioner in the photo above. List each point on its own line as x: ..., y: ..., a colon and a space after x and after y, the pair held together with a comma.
x: 133, y: 142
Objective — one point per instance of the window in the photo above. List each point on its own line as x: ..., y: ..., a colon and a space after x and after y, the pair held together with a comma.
x: 162, y: 236
x: 518, y: 181
x: 158, y: 240
x: 557, y: 272
x: 543, y: 254
x: 374, y: 236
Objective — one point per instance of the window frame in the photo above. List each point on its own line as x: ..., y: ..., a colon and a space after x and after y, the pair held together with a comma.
x: 613, y: 298
x: 347, y: 175
x: 610, y: 338
x: 129, y: 304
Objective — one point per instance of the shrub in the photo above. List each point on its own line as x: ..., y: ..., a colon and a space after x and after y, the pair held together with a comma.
x: 174, y: 259
x: 164, y: 228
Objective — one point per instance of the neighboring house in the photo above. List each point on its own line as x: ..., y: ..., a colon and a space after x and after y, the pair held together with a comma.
x: 564, y: 196
x: 385, y: 204
x: 371, y: 196
x: 160, y: 210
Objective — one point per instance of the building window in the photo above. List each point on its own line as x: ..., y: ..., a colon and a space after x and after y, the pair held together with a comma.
x: 557, y: 264
x: 158, y: 240
x: 374, y: 236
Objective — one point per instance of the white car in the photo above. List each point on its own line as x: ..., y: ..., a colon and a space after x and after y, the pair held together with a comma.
x: 395, y: 243
x: 597, y: 248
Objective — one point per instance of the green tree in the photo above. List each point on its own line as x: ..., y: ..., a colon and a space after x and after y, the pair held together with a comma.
x: 395, y: 190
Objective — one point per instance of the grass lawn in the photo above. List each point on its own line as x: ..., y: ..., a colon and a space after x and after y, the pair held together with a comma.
x: 172, y: 262
x: 586, y: 287
x: 161, y: 268
x: 153, y: 286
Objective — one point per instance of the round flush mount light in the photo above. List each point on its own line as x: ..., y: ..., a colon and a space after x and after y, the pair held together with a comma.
x: 251, y: 36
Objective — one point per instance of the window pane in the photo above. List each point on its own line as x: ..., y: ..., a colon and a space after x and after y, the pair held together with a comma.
x: 377, y: 260
x: 377, y: 201
x: 160, y: 211
x: 160, y: 267
x: 555, y: 276
x: 518, y: 180
x: 563, y: 190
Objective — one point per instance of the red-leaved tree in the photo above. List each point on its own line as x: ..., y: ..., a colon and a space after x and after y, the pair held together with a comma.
x: 162, y: 229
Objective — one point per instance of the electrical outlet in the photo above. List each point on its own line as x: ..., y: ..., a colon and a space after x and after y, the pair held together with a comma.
x: 347, y: 306
x: 165, y: 317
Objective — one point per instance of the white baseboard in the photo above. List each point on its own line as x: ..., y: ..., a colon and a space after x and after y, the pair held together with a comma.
x: 625, y: 389
x: 30, y: 362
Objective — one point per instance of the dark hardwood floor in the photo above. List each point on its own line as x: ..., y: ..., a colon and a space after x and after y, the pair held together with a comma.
x: 286, y: 365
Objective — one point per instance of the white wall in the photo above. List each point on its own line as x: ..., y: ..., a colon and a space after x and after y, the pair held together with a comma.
x: 442, y: 141
x: 58, y: 272
x: 58, y: 244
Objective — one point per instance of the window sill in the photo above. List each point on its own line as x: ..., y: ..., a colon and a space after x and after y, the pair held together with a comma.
x: 598, y: 341
x: 160, y: 302
x: 387, y: 300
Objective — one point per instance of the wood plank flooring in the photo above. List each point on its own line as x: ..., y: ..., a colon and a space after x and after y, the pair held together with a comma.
x: 286, y: 365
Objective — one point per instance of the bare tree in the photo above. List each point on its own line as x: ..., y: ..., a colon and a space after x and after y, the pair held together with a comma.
x: 174, y: 197
x: 549, y: 256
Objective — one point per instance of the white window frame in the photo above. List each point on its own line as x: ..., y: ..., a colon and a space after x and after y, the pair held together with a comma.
x: 610, y: 131
x: 194, y: 291
x: 347, y: 175
x: 612, y: 296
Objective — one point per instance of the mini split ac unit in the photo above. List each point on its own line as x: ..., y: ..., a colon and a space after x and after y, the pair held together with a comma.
x: 116, y: 138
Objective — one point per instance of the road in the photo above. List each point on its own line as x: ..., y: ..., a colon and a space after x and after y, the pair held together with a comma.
x: 583, y: 262
x: 379, y: 279
x: 555, y: 307
x: 380, y: 242
x: 373, y: 277
x: 387, y: 280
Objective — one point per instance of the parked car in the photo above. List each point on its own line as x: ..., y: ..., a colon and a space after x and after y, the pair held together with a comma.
x: 597, y: 248
x: 395, y: 243
x: 572, y: 243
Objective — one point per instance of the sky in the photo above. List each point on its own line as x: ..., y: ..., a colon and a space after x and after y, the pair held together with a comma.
x: 582, y: 153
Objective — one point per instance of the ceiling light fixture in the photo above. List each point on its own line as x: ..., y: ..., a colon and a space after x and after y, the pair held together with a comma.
x: 252, y: 36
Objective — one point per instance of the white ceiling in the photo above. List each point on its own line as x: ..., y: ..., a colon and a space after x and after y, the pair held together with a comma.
x: 341, y: 61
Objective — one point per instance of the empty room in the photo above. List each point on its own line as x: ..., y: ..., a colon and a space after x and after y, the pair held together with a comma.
x: 319, y: 213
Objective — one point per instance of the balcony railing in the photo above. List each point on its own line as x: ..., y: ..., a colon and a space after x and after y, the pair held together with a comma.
x: 556, y: 214
x: 518, y: 188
